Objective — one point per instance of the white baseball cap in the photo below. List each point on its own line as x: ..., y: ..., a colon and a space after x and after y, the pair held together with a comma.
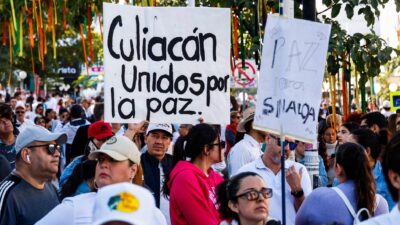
x: 124, y: 202
x: 386, y: 104
x: 167, y: 127
x: 20, y: 104
x: 119, y: 148
x: 37, y: 133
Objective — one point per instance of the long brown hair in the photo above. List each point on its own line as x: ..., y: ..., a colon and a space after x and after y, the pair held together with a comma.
x: 322, y: 148
x: 354, y: 160
x: 138, y: 179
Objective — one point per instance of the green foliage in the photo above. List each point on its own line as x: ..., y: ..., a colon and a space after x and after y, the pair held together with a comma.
x: 369, y: 8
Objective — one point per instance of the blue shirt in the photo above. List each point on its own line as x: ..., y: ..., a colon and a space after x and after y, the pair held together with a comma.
x: 381, y: 185
x: 69, y: 169
x: 323, y: 177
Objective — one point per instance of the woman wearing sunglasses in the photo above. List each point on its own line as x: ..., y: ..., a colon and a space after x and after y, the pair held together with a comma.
x: 244, y: 200
x: 192, y: 183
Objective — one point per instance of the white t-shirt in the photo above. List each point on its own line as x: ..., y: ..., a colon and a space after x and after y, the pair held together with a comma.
x: 274, y: 181
x: 164, y: 203
x: 79, y: 210
x: 392, y: 218
x: 245, y: 151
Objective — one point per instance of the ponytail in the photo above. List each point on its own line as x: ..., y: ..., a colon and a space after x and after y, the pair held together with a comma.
x: 353, y: 158
x: 190, y: 146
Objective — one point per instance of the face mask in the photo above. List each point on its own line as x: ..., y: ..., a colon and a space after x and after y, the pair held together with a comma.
x: 263, y: 147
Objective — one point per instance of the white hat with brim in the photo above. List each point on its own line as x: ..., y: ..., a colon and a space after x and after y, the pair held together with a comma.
x: 165, y: 127
x: 119, y: 148
x: 124, y: 202
x: 248, y: 115
x: 113, y: 154
x: 36, y: 133
x: 20, y: 104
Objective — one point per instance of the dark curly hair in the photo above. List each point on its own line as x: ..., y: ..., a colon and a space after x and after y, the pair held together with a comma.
x: 6, y: 111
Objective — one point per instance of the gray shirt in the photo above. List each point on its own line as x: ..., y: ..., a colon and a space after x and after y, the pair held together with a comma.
x: 23, y: 204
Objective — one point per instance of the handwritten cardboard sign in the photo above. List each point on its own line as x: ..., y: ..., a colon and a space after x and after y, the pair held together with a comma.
x: 166, y: 64
x: 292, y: 68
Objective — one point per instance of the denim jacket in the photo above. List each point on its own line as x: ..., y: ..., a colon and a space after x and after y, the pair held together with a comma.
x: 381, y: 185
x: 323, y: 177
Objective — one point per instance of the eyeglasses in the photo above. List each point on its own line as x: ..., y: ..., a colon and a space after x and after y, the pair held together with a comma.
x: 220, y: 144
x: 292, y: 145
x: 51, y: 148
x: 19, y: 112
x: 254, y: 195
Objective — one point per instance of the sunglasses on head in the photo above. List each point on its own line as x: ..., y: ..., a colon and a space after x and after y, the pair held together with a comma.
x: 254, y: 195
x: 51, y: 148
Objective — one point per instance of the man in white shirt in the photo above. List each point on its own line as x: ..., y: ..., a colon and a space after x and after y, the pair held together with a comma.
x: 391, y: 169
x: 20, y: 121
x: 249, y: 148
x: 297, y: 185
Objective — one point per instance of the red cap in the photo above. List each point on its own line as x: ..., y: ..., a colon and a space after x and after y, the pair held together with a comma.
x: 100, y: 130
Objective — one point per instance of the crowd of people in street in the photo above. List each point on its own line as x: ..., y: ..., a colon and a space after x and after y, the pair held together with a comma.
x: 61, y: 163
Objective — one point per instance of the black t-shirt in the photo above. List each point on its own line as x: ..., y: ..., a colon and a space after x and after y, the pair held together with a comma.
x: 22, y: 204
x: 5, y: 167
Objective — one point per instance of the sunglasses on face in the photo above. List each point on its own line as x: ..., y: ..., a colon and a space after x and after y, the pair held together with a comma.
x: 292, y: 145
x: 51, y: 148
x: 254, y: 195
x: 19, y: 112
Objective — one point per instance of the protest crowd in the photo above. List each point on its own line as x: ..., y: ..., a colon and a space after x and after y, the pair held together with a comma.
x: 170, y: 145
x: 73, y: 164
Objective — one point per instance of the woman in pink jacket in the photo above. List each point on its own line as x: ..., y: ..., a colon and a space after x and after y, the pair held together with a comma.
x: 192, y: 183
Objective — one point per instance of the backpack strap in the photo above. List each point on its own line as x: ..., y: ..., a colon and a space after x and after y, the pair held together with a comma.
x: 377, y: 201
x: 346, y: 201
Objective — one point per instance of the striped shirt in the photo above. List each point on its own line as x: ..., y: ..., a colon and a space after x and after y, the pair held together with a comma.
x: 23, y: 204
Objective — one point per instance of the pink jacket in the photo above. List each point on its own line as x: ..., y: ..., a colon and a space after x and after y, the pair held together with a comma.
x: 193, y: 195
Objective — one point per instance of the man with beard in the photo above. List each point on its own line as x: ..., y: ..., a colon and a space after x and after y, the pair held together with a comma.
x: 297, y: 184
x: 27, y: 194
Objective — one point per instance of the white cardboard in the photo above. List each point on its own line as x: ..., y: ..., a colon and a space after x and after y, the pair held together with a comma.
x: 198, y: 26
x: 292, y: 68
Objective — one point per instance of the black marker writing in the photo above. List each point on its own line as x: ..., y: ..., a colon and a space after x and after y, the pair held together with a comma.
x: 190, y: 48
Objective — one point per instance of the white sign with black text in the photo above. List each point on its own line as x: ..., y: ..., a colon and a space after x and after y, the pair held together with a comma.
x: 292, y: 69
x: 166, y: 64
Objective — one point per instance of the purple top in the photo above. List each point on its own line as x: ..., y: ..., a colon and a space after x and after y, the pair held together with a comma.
x: 324, y: 206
